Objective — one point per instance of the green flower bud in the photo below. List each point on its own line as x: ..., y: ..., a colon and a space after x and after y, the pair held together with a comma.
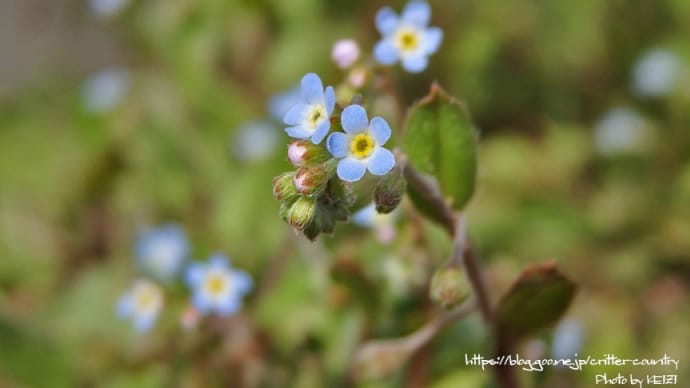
x: 389, y: 192
x: 312, y: 180
x: 450, y: 286
x: 305, y: 153
x: 283, y: 188
x: 301, y: 212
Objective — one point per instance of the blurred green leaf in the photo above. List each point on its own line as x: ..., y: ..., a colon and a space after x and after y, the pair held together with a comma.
x: 440, y: 140
x: 536, y: 300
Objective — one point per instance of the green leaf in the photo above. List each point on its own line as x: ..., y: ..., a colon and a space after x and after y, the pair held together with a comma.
x: 440, y: 140
x: 537, y: 300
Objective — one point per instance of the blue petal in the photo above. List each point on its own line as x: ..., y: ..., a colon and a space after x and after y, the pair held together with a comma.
x: 417, y: 13
x: 381, y: 161
x: 228, y: 306
x: 354, y: 119
x: 321, y: 131
x: 338, y: 144
x: 385, y: 52
x: 144, y: 322
x: 201, y: 302
x: 242, y: 281
x: 329, y: 100
x: 365, y: 216
x: 218, y: 261
x: 125, y: 306
x: 298, y: 132
x: 312, y: 88
x: 351, y: 169
x: 380, y: 130
x: 194, y: 275
x: 295, y: 115
x: 386, y: 20
x: 415, y: 64
x: 432, y: 39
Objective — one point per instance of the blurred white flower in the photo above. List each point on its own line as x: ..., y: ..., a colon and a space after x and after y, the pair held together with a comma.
x: 141, y: 304
x: 656, y: 73
x: 106, y: 8
x: 383, y: 224
x: 568, y: 338
x: 621, y: 130
x: 104, y: 90
x: 255, y: 141
x: 345, y: 52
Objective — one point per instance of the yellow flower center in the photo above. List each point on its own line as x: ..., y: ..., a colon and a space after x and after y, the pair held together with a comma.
x: 316, y: 116
x: 216, y: 284
x: 362, y: 145
x: 145, y: 299
x: 407, y: 39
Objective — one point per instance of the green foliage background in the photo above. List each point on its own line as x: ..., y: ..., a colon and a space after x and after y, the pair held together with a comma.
x: 75, y: 187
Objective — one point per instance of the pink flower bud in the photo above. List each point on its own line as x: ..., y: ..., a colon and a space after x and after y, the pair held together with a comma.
x: 296, y: 152
x: 345, y: 53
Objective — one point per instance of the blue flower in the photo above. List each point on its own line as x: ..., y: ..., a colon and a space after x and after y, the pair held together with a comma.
x: 360, y: 146
x: 407, y: 38
x: 216, y: 286
x: 310, y: 118
x: 161, y: 252
x: 103, y: 91
x: 141, y: 303
x: 382, y: 224
x: 279, y: 104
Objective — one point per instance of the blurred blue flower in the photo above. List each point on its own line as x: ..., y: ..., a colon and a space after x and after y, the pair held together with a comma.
x: 310, y: 118
x: 216, y: 286
x: 407, y: 38
x: 161, y: 252
x: 656, y: 73
x: 279, y: 104
x: 255, y: 141
x: 104, y: 90
x: 106, y: 8
x: 568, y: 338
x: 621, y: 130
x: 360, y: 147
x: 382, y: 224
x: 141, y: 303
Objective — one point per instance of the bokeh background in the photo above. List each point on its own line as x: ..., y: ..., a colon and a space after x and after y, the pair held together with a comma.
x: 120, y: 115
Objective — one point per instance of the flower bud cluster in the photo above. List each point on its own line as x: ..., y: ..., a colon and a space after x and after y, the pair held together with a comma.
x: 311, y: 199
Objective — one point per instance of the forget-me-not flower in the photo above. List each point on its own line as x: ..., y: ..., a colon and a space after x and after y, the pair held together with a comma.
x: 103, y: 91
x: 311, y: 117
x: 161, y: 252
x: 141, y: 303
x: 216, y: 287
x: 279, y: 104
x: 656, y: 73
x: 407, y: 38
x: 360, y: 147
x: 255, y: 141
x: 382, y: 224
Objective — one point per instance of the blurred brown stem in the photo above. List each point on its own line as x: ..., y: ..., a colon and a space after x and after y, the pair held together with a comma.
x: 463, y: 252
